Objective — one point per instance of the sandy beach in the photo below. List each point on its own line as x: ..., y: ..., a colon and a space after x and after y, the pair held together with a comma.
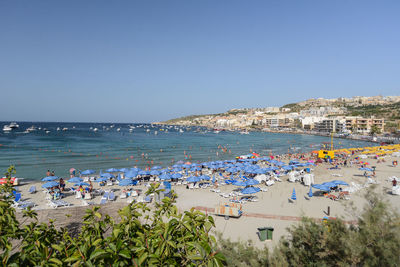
x: 273, y: 208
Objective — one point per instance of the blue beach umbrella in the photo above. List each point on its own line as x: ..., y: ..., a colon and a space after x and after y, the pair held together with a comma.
x: 193, y: 179
x: 50, y: 184
x: 156, y: 167
x: 339, y: 182
x: 112, y: 170
x: 87, y: 172
x: 101, y: 179
x: 239, y: 183
x: 144, y: 173
x: 365, y: 169
x: 322, y: 187
x: 165, y: 176
x: 176, y: 175
x: 205, y: 177
x: 131, y: 174
x: 124, y: 170
x: 75, y: 180
x: 293, y: 197
x: 155, y: 172
x: 213, y: 179
x: 49, y: 178
x: 107, y: 175
x: 81, y: 184
x: 310, y: 194
x: 250, y: 190
x: 126, y: 182
x: 252, y: 182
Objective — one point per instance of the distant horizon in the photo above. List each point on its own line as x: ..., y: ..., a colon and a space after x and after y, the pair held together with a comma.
x: 201, y: 114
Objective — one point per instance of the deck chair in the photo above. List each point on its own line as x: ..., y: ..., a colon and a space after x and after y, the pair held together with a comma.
x: 103, y: 201
x: 25, y: 205
x: 105, y: 194
x: 123, y: 195
x: 147, y: 199
x: 78, y: 194
x: 111, y: 196
x: 109, y: 182
x: 32, y: 189
x: 88, y: 196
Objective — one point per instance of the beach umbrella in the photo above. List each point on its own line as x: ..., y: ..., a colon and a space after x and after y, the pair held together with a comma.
x: 252, y: 182
x: 239, y: 183
x: 176, y: 175
x: 81, y: 184
x: 365, y: 169
x: 101, y: 179
x: 156, y: 167
x: 193, y: 179
x: 205, y: 177
x: 49, y: 178
x: 126, y: 182
x: 293, y: 197
x: 179, y: 162
x: 165, y: 176
x: 87, y: 172
x: 250, y: 190
x: 213, y: 179
x: 322, y: 187
x: 339, y: 182
x: 310, y: 194
x: 50, y: 184
x: 155, y: 172
x: 131, y: 174
x: 124, y: 170
x: 107, y: 175
x: 112, y: 170
x: 330, y: 184
x: 75, y: 180
x: 135, y: 169
x: 144, y: 173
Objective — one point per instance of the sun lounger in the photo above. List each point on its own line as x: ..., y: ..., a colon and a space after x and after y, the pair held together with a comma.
x: 148, y: 199
x: 111, y: 196
x: 105, y: 195
x: 86, y: 179
x: 130, y: 200
x: 88, y: 196
x: 123, y: 195
x: 103, y: 201
x: 25, y: 205
x: 78, y: 194
x: 32, y: 189
x: 109, y: 182
x: 191, y: 186
x: 58, y: 203
x: 140, y: 199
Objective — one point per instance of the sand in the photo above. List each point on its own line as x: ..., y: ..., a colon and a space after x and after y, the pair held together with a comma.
x: 272, y: 210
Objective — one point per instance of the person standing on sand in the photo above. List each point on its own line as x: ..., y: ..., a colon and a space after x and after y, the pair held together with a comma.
x: 48, y: 173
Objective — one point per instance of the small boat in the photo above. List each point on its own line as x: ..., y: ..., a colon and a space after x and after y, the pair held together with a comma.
x: 155, y: 132
x: 13, y: 125
x: 47, y: 131
x: 118, y: 129
x: 180, y: 130
x: 244, y: 132
x: 7, y: 128
x: 95, y: 130
x: 31, y: 129
x: 130, y: 130
x: 65, y: 128
x: 58, y: 128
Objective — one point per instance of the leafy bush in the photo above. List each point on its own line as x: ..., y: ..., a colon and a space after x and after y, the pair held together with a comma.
x: 157, y: 235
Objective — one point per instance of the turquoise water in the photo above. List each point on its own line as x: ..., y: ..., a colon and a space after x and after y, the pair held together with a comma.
x: 81, y: 148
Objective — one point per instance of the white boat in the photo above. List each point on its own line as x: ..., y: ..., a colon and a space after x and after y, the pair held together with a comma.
x: 58, y: 128
x: 130, y: 130
x: 180, y: 130
x: 155, y: 132
x: 118, y: 129
x: 244, y: 132
x: 217, y: 132
x: 7, y: 128
x: 31, y: 129
x: 13, y: 125
x: 47, y: 131
x: 65, y: 128
x: 95, y: 130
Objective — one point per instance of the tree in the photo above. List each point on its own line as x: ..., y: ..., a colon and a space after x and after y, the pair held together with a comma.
x: 374, y: 130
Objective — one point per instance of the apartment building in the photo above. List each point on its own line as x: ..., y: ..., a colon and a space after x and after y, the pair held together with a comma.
x: 364, y: 125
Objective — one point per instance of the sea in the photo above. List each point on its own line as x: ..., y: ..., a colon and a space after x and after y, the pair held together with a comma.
x: 61, y: 146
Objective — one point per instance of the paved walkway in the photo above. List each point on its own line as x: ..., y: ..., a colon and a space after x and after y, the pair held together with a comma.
x: 269, y: 216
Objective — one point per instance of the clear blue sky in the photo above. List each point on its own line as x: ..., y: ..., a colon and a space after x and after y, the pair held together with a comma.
x: 143, y: 61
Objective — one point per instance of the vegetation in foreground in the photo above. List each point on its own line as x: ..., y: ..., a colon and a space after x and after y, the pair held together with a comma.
x: 161, y: 236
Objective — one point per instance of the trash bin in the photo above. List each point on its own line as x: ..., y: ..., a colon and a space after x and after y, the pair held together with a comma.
x: 265, y: 233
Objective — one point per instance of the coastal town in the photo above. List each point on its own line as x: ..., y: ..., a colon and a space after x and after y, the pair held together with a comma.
x: 360, y: 115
